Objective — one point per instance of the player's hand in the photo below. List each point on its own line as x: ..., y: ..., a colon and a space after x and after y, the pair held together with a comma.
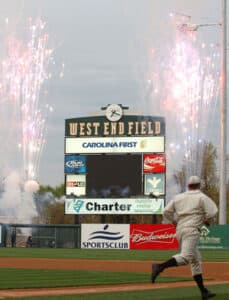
x: 175, y: 223
x: 206, y: 222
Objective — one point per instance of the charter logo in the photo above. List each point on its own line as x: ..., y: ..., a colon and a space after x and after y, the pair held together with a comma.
x: 78, y: 204
x: 99, y: 236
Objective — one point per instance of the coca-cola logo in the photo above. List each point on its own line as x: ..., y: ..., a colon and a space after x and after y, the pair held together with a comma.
x: 154, y: 163
x: 154, y: 160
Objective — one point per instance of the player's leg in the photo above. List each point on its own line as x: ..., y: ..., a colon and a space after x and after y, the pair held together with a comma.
x: 197, y: 275
x: 187, y: 241
x: 158, y: 268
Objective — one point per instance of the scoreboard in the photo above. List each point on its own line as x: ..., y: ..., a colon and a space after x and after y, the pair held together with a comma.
x: 115, y: 167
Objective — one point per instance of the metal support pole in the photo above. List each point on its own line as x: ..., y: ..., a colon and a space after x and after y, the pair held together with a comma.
x: 223, y: 117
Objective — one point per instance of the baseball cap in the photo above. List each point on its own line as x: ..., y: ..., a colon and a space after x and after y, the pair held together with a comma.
x: 193, y: 180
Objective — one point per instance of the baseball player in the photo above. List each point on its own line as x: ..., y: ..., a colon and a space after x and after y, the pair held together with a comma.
x: 188, y: 212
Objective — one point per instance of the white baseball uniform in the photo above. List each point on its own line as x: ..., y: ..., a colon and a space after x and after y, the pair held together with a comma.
x: 190, y: 210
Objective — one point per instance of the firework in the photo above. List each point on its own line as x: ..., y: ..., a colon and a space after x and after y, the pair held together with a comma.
x: 180, y: 81
x: 23, y: 73
x: 192, y: 89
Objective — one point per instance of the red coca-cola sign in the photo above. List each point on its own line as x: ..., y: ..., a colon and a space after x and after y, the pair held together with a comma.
x: 153, y: 236
x: 154, y: 163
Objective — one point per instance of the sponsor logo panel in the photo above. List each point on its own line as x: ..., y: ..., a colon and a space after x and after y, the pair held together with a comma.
x: 76, y: 185
x: 155, y: 184
x: 105, y: 236
x: 154, y: 163
x: 115, y: 145
x: 153, y: 236
x: 114, y: 206
x: 75, y: 164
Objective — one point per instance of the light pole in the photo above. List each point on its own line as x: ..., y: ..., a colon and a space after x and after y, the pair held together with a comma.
x: 223, y: 105
x: 223, y: 116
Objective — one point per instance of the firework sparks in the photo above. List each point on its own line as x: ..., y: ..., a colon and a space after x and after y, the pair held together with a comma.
x: 183, y: 86
x: 192, y: 91
x: 23, y: 72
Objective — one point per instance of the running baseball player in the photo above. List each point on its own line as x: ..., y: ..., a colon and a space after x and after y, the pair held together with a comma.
x: 188, y: 212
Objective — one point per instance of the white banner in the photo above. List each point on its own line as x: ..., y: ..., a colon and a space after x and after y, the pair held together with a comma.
x: 115, y: 145
x: 114, y: 206
x: 105, y: 236
x: 76, y: 185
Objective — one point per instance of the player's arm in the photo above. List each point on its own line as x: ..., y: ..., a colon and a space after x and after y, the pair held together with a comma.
x: 168, y: 213
x: 210, y: 211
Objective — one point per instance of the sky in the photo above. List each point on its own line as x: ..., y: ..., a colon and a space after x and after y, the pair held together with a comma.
x: 105, y: 46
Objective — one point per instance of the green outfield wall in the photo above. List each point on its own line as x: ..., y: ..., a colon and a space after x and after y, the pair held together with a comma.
x: 214, y: 237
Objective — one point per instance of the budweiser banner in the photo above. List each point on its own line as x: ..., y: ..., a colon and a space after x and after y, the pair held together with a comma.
x: 153, y: 236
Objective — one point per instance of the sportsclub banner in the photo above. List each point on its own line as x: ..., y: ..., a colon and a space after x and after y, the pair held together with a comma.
x: 128, y: 236
x: 105, y: 236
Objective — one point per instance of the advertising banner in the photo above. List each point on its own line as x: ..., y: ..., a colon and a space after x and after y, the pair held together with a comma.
x: 75, y: 164
x: 105, y: 236
x: 76, y: 185
x: 214, y: 237
x: 154, y: 163
x: 115, y: 145
x: 114, y: 206
x: 154, y: 184
x: 153, y: 236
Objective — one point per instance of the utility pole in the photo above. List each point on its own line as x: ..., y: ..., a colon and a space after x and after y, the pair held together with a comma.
x: 223, y: 116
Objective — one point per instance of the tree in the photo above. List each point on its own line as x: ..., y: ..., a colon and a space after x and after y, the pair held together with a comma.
x: 56, y: 215
x: 181, y: 178
x: 50, y: 209
x: 208, y: 171
x: 57, y: 191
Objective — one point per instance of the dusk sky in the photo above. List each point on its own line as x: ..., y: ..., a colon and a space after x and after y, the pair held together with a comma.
x: 105, y: 46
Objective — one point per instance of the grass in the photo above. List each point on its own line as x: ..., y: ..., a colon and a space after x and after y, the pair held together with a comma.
x: 29, y: 278
x: 151, y: 255
x: 188, y: 293
x: 34, y: 278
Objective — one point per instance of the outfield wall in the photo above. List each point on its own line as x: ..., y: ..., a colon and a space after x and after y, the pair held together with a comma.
x: 109, y: 236
x: 214, y: 237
